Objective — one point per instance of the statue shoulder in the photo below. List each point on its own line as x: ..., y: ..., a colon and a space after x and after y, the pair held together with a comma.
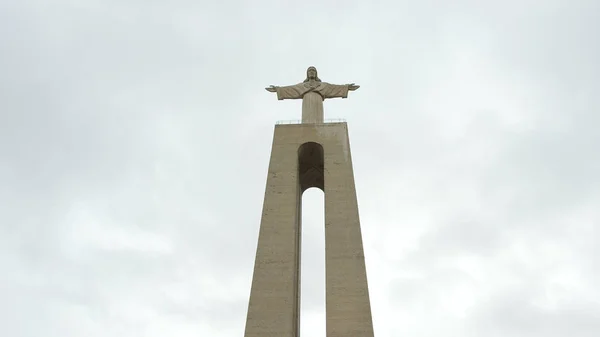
x: 315, y: 85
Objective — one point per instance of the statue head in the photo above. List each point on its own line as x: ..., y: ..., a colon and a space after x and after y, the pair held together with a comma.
x: 311, y: 74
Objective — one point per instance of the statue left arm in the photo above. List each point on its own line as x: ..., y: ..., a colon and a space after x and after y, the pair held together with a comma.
x: 336, y: 90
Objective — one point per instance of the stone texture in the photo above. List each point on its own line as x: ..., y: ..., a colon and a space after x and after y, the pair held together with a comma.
x: 312, y: 92
x: 303, y: 156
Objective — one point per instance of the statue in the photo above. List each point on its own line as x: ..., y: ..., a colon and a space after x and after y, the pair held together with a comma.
x: 313, y: 92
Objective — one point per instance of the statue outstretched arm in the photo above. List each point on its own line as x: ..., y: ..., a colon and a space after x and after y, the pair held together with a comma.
x: 287, y: 92
x: 337, y: 90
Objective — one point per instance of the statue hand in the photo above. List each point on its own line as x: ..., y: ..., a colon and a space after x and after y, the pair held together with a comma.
x: 353, y: 87
x: 271, y: 89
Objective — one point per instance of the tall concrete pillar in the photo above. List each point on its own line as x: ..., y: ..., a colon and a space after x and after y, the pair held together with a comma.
x: 304, y: 156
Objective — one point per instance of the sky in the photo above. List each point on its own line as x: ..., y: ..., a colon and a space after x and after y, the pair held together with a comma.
x: 135, y: 139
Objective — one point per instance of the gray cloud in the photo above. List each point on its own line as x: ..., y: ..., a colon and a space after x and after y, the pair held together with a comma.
x: 134, y: 144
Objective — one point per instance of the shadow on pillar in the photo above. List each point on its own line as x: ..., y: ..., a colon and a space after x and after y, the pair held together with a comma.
x: 311, y: 164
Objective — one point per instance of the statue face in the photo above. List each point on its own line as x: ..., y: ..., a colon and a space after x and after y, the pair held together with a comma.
x: 311, y: 73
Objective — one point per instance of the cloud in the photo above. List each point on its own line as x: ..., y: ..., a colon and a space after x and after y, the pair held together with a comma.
x: 135, y: 139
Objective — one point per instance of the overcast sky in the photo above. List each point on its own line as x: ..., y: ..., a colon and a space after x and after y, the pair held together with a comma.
x: 135, y: 139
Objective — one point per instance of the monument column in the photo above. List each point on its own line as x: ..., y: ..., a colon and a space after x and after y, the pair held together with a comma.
x: 348, y: 309
x: 310, y: 154
x: 273, y: 310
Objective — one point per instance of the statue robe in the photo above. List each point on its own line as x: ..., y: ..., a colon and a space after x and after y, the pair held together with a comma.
x: 312, y: 93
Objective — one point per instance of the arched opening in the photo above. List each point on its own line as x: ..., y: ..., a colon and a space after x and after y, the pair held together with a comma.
x: 312, y: 241
x: 311, y: 164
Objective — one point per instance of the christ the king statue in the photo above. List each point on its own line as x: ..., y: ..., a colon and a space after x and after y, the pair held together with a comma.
x: 313, y: 92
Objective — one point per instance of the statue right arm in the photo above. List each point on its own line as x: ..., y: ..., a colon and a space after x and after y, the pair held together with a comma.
x: 290, y: 92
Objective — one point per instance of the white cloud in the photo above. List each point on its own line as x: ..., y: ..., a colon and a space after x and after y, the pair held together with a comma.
x: 135, y: 139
